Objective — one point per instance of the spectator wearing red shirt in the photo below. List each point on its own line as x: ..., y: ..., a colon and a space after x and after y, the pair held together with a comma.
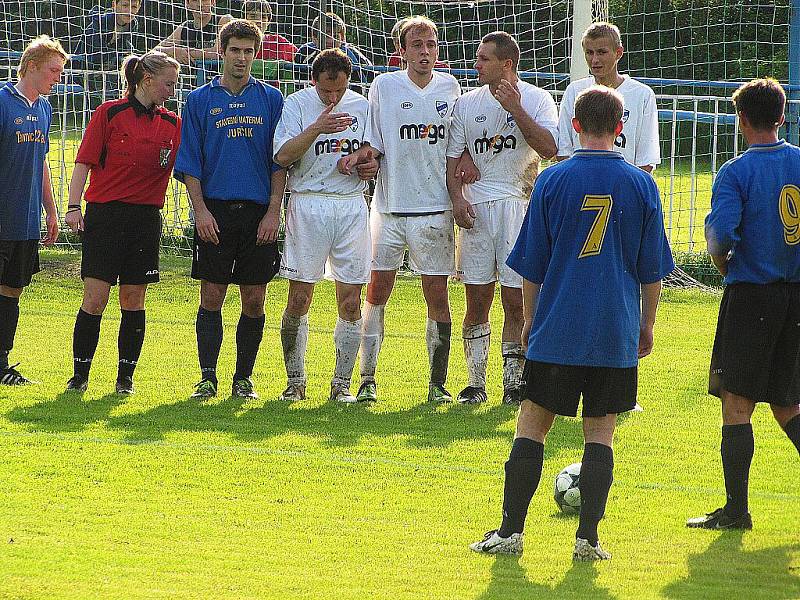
x: 129, y: 147
x: 273, y: 46
x: 395, y: 60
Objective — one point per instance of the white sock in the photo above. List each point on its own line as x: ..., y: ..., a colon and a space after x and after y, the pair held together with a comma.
x: 294, y: 339
x: 476, y: 352
x: 346, y: 340
x: 371, y: 339
x: 513, y: 364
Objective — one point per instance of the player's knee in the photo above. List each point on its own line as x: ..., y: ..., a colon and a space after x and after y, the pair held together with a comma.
x: 94, y: 304
x: 533, y: 421
x: 350, y: 308
x: 298, y: 302
x: 10, y: 292
x: 212, y: 296
x: 784, y: 414
x: 736, y: 410
x: 132, y: 298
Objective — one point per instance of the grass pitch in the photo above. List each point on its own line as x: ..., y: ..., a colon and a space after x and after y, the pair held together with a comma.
x: 162, y: 496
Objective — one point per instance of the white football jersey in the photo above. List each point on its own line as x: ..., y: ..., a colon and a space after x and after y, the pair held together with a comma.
x: 409, y: 125
x: 316, y: 172
x: 508, y: 165
x: 638, y: 142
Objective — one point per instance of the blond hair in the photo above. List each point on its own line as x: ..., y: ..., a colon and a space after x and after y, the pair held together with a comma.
x: 418, y: 23
x: 39, y: 50
x: 603, y: 29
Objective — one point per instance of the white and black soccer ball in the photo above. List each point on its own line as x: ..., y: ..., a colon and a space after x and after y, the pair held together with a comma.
x: 566, y: 492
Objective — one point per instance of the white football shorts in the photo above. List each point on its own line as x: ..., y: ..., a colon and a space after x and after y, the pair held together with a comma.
x: 430, y: 240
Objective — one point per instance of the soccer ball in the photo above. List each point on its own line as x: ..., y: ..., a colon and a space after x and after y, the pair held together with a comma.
x: 566, y: 492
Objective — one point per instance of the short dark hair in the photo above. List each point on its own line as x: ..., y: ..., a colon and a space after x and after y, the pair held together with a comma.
x: 260, y: 6
x: 762, y: 101
x: 415, y: 23
x: 332, y: 62
x: 505, y: 46
x: 241, y: 29
x: 599, y: 110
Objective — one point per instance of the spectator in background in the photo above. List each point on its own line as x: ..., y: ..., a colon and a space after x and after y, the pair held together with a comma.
x: 333, y: 37
x: 111, y: 36
x: 395, y: 60
x: 273, y: 46
x: 196, y: 38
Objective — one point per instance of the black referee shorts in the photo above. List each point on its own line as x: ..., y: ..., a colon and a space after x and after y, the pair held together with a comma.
x: 120, y: 243
x: 558, y: 388
x: 757, y: 345
x: 19, y: 261
x: 237, y: 258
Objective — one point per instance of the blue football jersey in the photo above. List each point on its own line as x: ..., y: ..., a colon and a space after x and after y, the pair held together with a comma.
x: 226, y: 140
x: 593, y: 233
x: 24, y: 142
x: 755, y: 215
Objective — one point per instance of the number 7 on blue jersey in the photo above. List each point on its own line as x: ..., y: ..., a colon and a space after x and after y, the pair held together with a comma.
x: 594, y: 241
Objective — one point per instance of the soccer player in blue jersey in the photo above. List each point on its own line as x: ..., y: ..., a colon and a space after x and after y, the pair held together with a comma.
x: 25, y: 116
x: 236, y: 189
x: 592, y: 252
x: 753, y: 235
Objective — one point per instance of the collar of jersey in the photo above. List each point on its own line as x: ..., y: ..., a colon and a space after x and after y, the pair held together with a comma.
x: 215, y: 83
x: 767, y: 147
x: 598, y: 153
x: 12, y: 87
x: 140, y: 109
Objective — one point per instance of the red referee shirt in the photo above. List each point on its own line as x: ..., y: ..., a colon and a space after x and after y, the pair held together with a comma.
x: 130, y: 151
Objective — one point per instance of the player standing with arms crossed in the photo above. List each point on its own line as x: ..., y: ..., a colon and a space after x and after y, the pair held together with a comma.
x: 410, y: 114
x: 236, y: 190
x: 327, y: 217
x: 753, y: 235
x: 592, y: 252
x: 25, y: 117
x: 505, y: 125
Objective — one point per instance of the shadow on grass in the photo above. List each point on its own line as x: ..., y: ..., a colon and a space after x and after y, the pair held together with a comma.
x: 727, y: 571
x: 67, y: 412
x: 422, y: 425
x: 509, y: 581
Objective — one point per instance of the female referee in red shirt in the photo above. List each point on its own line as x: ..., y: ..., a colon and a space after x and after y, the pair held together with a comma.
x: 129, y: 147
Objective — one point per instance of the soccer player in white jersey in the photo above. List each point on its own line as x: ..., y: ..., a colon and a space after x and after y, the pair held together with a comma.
x: 410, y: 114
x: 326, y: 218
x: 505, y: 125
x: 638, y: 142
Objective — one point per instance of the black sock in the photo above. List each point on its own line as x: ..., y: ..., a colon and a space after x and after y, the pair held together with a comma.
x: 737, y: 454
x: 597, y: 473
x: 249, y: 332
x: 84, y: 342
x: 792, y: 430
x: 209, y: 341
x: 523, y: 471
x: 441, y: 353
x: 129, y: 342
x: 9, y: 317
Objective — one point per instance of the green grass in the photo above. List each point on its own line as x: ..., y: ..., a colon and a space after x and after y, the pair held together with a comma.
x: 162, y: 496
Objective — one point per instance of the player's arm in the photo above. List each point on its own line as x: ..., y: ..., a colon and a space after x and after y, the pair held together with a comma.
x: 327, y: 122
x: 648, y: 149
x: 651, y: 292
x: 723, y: 221
x: 270, y: 223
x: 538, y: 138
x: 365, y: 160
x: 204, y: 221
x: 74, y: 217
x: 463, y: 212
x: 51, y: 215
x: 565, y: 141
x: 530, y: 298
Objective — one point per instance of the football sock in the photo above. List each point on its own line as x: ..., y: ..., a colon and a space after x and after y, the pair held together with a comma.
x: 294, y: 339
x: 437, y: 336
x: 209, y: 341
x: 476, y: 352
x: 84, y: 342
x: 523, y: 471
x: 249, y: 333
x: 129, y: 341
x: 597, y: 473
x: 513, y: 364
x: 371, y: 339
x: 737, y: 453
x: 792, y: 430
x: 346, y: 340
x: 9, y: 317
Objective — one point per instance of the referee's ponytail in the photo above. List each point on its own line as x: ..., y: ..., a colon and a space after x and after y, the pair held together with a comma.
x: 134, y: 68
